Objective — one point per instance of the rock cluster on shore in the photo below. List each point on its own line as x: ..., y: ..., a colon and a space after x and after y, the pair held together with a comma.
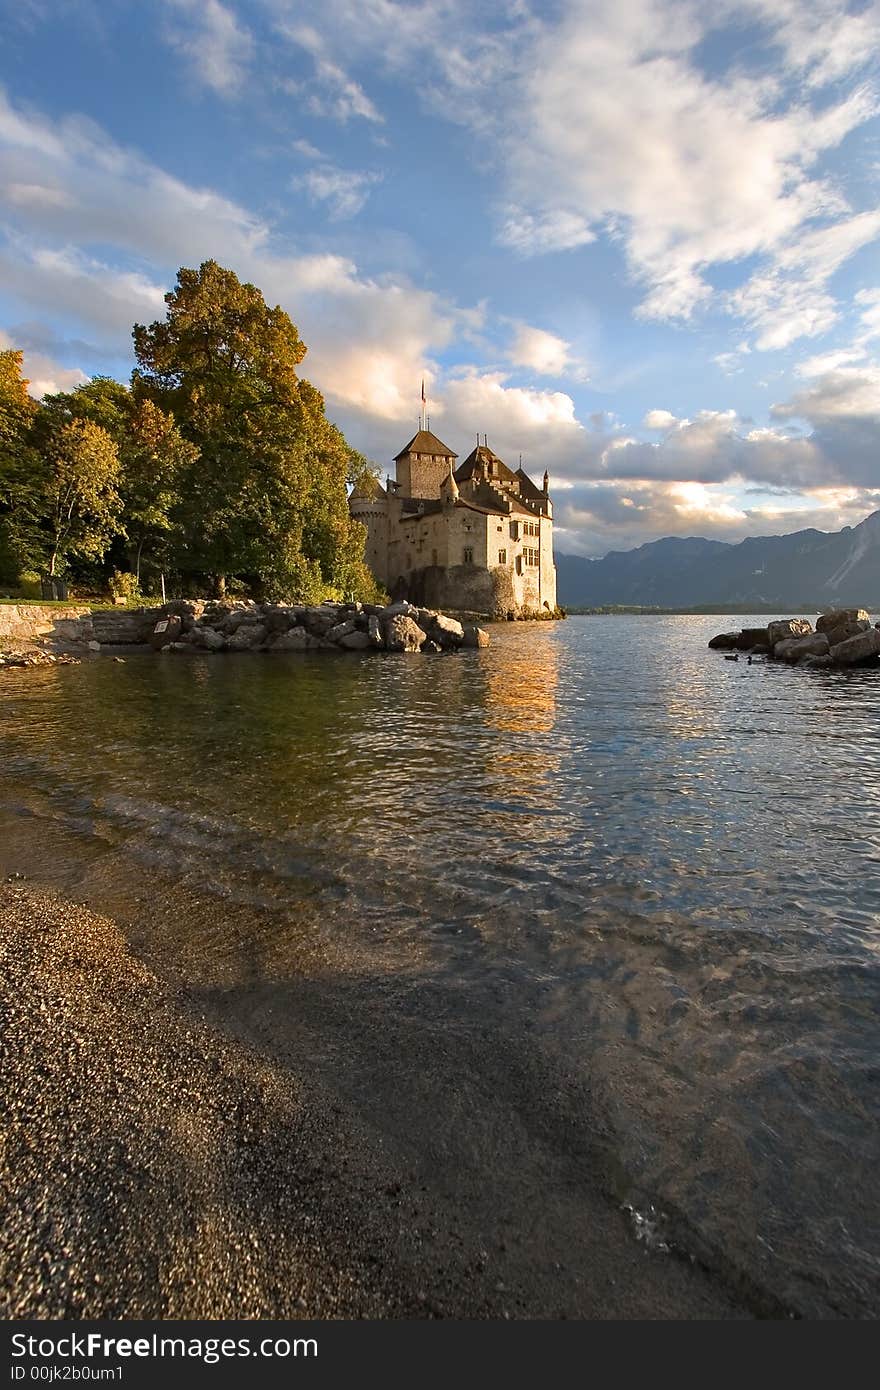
x: 842, y: 637
x: 34, y: 656
x: 247, y: 626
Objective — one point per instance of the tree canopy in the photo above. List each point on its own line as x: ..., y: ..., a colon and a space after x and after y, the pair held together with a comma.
x: 217, y: 463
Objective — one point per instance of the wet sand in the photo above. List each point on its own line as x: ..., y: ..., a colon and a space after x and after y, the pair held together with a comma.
x: 171, y: 1155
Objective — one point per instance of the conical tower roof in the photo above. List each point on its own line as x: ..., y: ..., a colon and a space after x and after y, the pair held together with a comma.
x: 367, y: 489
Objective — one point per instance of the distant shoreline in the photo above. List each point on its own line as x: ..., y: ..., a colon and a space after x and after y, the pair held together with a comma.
x: 617, y: 610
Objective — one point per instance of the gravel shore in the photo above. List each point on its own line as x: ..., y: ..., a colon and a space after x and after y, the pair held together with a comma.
x: 148, y: 1168
x: 153, y: 1165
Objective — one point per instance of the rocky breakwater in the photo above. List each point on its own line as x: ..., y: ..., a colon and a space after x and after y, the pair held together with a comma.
x: 187, y: 626
x: 843, y: 637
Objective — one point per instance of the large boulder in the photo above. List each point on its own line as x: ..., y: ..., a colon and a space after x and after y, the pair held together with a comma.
x: 787, y: 627
x: 187, y: 609
x: 340, y: 630
x: 402, y: 634
x: 446, y: 632
x: 279, y: 619
x: 166, y: 631
x: 296, y: 640
x: 208, y: 638
x: 246, y: 636
x: 845, y: 630
x: 752, y: 639
x: 355, y: 641
x: 724, y: 642
x: 840, y: 617
x: 401, y: 609
x: 863, y: 649
x: 794, y: 649
x: 475, y: 636
x: 319, y: 620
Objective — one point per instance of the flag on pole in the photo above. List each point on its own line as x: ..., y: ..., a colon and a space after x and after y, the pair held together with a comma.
x: 424, y: 397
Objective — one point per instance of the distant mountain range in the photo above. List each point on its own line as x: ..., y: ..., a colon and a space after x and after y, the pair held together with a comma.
x: 814, y: 568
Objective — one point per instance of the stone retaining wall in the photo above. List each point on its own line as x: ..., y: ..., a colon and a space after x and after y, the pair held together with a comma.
x: 24, y: 622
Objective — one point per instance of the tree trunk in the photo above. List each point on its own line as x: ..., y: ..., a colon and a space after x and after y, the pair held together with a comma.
x: 219, y: 586
x: 137, y: 563
x: 53, y: 562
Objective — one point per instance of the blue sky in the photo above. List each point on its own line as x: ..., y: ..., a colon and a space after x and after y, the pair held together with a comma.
x: 634, y: 240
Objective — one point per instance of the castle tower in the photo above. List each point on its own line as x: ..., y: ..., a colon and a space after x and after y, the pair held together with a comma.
x: 368, y: 504
x: 422, y: 466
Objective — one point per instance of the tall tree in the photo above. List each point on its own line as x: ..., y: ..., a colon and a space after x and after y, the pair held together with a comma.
x: 19, y: 490
x: 266, y: 499
x: 81, y: 503
x: 153, y: 458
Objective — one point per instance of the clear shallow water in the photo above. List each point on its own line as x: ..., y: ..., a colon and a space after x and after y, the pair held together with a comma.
x: 659, y: 868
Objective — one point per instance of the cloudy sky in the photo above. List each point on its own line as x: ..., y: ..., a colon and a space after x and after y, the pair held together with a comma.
x: 635, y: 241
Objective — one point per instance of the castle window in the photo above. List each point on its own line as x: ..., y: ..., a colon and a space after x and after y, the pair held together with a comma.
x: 514, y: 530
x: 468, y: 556
x: 519, y: 566
x: 502, y: 555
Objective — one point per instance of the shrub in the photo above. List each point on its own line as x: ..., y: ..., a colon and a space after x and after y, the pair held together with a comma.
x: 123, y: 584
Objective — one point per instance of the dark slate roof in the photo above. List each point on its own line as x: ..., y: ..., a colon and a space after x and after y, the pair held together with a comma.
x: 527, y: 487
x: 420, y: 507
x: 424, y: 442
x: 484, y: 455
x: 496, y: 502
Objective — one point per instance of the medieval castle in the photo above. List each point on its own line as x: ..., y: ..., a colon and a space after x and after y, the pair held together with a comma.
x: 478, y: 537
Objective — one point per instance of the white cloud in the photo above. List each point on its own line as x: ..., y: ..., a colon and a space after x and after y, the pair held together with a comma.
x: 660, y: 420
x: 596, y: 517
x: 602, y: 118
x: 695, y: 173
x: 335, y: 93
x: 825, y: 39
x: 369, y: 338
x: 558, y: 230
x: 217, y: 47
x: 344, y: 191
x: 791, y: 300
x: 846, y: 393
x: 544, y: 353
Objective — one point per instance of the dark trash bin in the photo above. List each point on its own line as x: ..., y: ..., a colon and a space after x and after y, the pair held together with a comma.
x: 53, y: 587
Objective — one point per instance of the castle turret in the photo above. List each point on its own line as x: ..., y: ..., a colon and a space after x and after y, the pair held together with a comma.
x: 423, y: 464
x: 449, y: 492
x: 368, y: 504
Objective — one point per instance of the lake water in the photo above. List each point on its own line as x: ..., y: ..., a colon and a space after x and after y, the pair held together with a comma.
x: 642, y: 873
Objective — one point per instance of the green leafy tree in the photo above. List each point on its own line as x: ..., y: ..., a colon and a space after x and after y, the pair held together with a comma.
x: 19, y: 482
x: 102, y: 400
x: 266, y: 499
x: 81, y: 505
x: 153, y: 457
